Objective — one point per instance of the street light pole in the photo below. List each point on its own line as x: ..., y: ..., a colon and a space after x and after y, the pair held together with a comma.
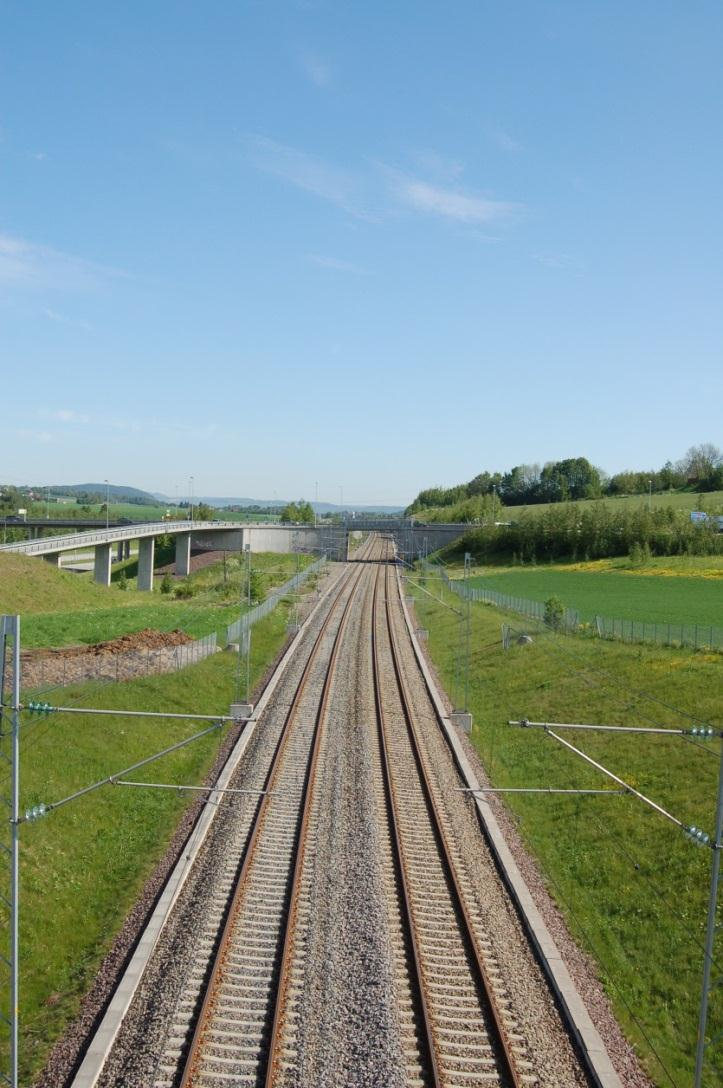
x: 190, y: 495
x: 107, y: 504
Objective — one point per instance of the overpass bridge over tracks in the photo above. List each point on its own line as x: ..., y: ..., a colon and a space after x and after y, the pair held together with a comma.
x: 412, y: 540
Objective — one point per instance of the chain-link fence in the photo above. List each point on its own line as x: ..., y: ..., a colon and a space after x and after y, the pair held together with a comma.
x: 236, y: 630
x: 697, y: 636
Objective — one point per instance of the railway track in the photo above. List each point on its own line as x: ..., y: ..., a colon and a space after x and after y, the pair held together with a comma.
x: 369, y: 848
x: 468, y: 1034
x: 233, y: 1039
x: 460, y: 1030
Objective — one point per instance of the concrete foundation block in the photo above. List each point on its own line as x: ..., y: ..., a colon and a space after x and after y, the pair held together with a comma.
x: 462, y: 719
x: 240, y: 711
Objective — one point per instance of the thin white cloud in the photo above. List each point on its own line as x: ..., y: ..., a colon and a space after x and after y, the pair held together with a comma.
x: 505, y: 141
x: 309, y: 172
x: 376, y: 191
x: 440, y: 166
x: 68, y: 415
x: 336, y: 264
x: 61, y: 319
x: 449, y: 203
x: 30, y: 266
x: 556, y: 260
x: 38, y: 437
x: 315, y: 69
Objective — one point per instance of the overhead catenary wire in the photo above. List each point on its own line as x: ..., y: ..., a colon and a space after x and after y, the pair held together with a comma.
x: 639, y: 692
x: 551, y: 646
x: 110, y: 779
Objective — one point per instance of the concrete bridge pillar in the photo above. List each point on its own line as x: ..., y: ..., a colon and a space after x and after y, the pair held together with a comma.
x: 126, y: 549
x: 183, y: 553
x: 101, y: 567
x: 119, y: 552
x: 146, y: 552
x: 53, y: 558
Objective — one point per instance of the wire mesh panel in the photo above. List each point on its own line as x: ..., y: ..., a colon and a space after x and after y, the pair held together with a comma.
x: 245, y: 622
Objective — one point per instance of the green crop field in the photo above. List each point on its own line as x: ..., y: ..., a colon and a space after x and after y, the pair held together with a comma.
x: 612, y: 592
x: 632, y: 887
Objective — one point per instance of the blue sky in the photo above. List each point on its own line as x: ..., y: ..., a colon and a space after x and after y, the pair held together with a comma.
x: 375, y: 246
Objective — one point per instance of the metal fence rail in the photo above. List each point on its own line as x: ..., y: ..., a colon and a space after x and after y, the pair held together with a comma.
x: 697, y: 636
x: 239, y: 627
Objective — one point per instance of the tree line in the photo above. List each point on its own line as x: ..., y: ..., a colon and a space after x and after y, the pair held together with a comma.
x: 575, y: 478
x: 592, y: 531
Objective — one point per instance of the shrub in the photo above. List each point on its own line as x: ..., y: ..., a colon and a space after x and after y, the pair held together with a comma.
x: 554, y: 612
x: 166, y: 583
x: 122, y: 582
x: 639, y: 553
x: 183, y: 590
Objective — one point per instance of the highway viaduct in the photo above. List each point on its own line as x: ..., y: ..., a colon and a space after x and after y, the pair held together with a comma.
x: 412, y: 539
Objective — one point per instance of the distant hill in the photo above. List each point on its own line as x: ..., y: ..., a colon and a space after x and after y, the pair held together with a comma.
x: 119, y: 492
x: 319, y: 507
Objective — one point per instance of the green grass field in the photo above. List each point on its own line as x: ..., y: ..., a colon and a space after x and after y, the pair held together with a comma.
x: 83, y: 866
x: 632, y: 887
x: 62, y: 609
x: 610, y: 592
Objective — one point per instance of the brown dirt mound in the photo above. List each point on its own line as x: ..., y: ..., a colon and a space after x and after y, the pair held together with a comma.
x: 148, y: 639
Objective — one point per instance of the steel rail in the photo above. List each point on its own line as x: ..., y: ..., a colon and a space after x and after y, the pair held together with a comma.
x: 284, y: 969
x: 504, y: 1048
x: 427, y: 1033
x: 193, y: 1055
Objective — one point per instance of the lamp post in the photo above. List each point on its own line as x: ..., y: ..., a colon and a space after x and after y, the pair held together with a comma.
x: 190, y: 495
x: 650, y: 495
x: 107, y: 504
x: 47, y: 503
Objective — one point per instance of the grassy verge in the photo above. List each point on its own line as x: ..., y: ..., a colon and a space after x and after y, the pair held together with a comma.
x: 83, y: 866
x: 631, y: 886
